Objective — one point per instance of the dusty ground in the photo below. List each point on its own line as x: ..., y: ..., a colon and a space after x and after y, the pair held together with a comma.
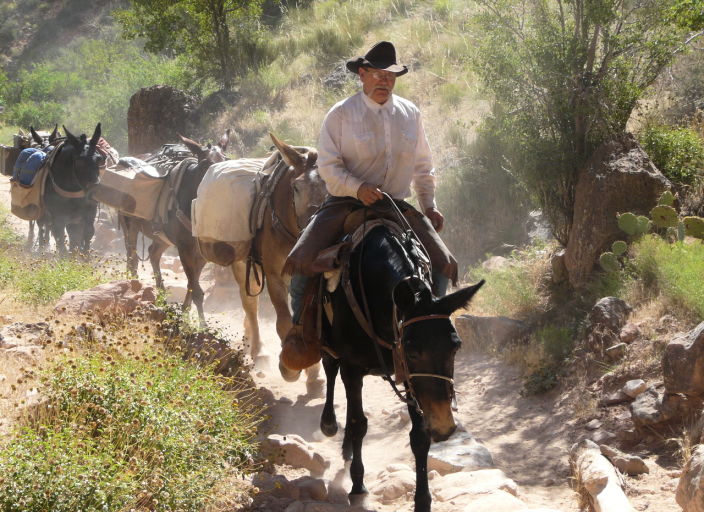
x: 528, y: 436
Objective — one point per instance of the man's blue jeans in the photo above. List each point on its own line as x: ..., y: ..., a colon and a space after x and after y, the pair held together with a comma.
x: 298, y: 286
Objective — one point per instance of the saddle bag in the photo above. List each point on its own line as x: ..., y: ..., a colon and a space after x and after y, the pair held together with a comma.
x: 27, y: 201
x: 130, y: 191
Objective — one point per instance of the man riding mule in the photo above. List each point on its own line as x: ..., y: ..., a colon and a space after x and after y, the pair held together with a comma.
x: 371, y: 143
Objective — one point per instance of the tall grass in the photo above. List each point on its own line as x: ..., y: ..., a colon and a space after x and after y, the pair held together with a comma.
x: 674, y: 271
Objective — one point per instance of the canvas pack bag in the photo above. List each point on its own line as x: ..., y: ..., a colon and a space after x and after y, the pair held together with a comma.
x: 132, y: 191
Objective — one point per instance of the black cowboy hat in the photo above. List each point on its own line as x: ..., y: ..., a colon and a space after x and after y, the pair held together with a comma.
x: 381, y: 56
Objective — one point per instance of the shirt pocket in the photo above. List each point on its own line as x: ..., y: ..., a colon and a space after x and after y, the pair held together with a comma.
x: 365, y: 144
x: 409, y: 139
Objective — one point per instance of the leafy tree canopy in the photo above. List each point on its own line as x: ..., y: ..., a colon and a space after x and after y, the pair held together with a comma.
x: 220, y: 38
x: 565, y: 76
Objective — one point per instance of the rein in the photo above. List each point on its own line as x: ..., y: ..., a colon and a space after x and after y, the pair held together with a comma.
x: 400, y: 360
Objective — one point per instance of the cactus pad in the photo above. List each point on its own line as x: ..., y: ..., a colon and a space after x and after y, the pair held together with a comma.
x: 694, y: 227
x: 667, y: 198
x: 619, y: 247
x: 609, y: 262
x: 644, y: 224
x: 664, y: 216
x: 628, y: 222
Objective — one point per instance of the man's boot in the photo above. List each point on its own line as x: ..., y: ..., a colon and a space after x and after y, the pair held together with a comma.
x: 301, y: 346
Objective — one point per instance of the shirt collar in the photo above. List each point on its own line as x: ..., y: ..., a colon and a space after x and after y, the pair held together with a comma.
x: 375, y: 107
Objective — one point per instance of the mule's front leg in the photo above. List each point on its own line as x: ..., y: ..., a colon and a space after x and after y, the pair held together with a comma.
x: 355, y: 430
x: 328, y: 420
x: 420, y: 444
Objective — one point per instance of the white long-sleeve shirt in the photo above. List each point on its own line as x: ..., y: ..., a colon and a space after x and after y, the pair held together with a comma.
x: 384, y: 145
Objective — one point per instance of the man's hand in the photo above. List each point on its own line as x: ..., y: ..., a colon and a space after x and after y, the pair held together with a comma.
x: 436, y: 218
x: 368, y: 194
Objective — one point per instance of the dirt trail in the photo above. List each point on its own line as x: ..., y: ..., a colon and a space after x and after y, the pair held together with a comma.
x: 524, y: 435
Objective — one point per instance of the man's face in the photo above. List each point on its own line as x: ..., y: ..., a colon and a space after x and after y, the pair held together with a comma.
x: 377, y: 84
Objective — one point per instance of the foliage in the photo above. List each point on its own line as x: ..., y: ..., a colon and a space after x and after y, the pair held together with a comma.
x: 672, y: 270
x: 565, y: 77
x: 676, y: 151
x: 121, y: 434
x: 43, y: 281
x: 513, y: 290
x: 221, y: 39
x: 89, y: 81
x: 541, y: 380
x: 8, y: 237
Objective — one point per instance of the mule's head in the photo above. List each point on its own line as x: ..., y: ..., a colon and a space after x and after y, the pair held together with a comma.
x: 213, y: 153
x: 85, y: 160
x: 430, y: 343
x: 45, y: 142
x: 307, y: 186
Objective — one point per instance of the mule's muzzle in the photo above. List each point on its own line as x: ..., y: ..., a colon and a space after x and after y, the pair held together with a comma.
x: 439, y: 435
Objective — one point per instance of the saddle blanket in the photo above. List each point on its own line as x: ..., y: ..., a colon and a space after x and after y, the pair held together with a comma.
x: 222, y: 207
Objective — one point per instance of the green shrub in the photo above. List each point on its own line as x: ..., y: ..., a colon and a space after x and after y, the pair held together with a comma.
x: 674, y: 270
x: 122, y: 434
x: 41, y: 114
x: 677, y: 152
x: 556, y: 341
x: 541, y: 380
x: 46, y: 280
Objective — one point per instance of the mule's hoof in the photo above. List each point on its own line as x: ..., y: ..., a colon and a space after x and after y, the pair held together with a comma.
x: 329, y: 429
x: 288, y: 375
x: 357, y: 499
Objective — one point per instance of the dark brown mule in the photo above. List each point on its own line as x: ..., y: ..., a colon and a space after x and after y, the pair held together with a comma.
x: 293, y: 201
x: 177, y: 231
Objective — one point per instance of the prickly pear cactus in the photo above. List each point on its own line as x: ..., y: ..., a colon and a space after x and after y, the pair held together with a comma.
x: 609, y: 262
x: 619, y: 247
x: 694, y: 227
x: 644, y: 224
x: 667, y: 198
x: 628, y: 222
x: 664, y: 216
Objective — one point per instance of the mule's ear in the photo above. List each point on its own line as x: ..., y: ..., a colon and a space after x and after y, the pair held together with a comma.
x: 312, y: 158
x: 71, y: 138
x: 451, y: 303
x: 54, y: 134
x: 36, y: 136
x: 96, y: 136
x: 409, y: 293
x: 193, y: 147
x: 224, y: 140
x: 292, y: 157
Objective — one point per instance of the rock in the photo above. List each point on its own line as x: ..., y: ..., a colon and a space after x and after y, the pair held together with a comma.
x: 629, y: 333
x: 616, y: 352
x: 597, y: 476
x: 690, y: 490
x: 156, y: 115
x: 276, y: 485
x: 602, y: 436
x: 557, y: 264
x: 472, y: 483
x: 628, y: 464
x: 618, y: 177
x: 609, y: 314
x: 311, y: 488
x: 635, y: 387
x: 26, y: 353
x: 683, y: 363
x: 616, y: 398
x: 294, y: 451
x: 593, y: 424
x: 461, y: 452
x: 654, y: 410
x: 115, y: 298
x: 494, y: 331
x: 495, y: 501
x: 394, y: 485
x: 20, y: 334
x: 338, y: 78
